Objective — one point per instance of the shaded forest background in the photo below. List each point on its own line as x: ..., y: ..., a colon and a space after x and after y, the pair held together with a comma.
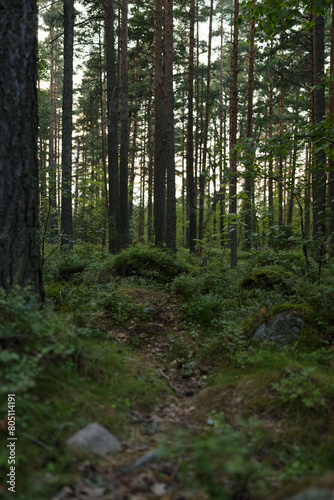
x: 193, y: 126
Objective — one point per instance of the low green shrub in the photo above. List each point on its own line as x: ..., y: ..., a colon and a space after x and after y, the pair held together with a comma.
x: 30, y: 338
x: 298, y: 388
x: 187, y: 286
x: 158, y: 265
x: 269, y: 278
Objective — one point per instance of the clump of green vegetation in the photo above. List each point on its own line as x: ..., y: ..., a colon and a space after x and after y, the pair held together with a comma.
x: 186, y: 286
x: 30, y: 338
x: 266, y: 419
x: 63, y: 378
x: 268, y: 278
x: 158, y: 265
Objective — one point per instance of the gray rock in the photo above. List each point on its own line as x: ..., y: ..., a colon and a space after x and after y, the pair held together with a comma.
x: 283, y: 328
x: 150, y: 311
x: 261, y: 333
x: 313, y: 494
x: 94, y: 439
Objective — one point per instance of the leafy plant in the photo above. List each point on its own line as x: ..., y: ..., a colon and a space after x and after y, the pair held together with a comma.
x: 296, y: 387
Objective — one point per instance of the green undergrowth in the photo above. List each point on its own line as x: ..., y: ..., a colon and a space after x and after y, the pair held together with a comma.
x: 63, y: 378
x: 265, y: 424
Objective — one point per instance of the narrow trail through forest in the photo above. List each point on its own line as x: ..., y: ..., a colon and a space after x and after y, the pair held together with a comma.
x: 139, y: 472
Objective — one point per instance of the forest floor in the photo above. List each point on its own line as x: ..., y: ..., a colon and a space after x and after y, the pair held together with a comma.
x: 140, y: 472
x: 160, y: 351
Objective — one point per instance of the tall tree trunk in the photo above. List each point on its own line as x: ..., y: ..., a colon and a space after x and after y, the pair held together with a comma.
x: 280, y: 163
x: 307, y: 206
x: 191, y: 186
x: 124, y: 150
x: 112, y: 114
x: 331, y: 155
x: 133, y: 172
x: 169, y: 127
x: 319, y: 167
x: 52, y: 131
x: 249, y: 174
x: 205, y: 134
x: 20, y: 263
x: 222, y: 134
x: 76, y: 192
x: 292, y: 179
x: 66, y: 194
x: 150, y: 147
x: 198, y: 109
x: 159, y: 131
x: 233, y: 155
x: 270, y: 159
x: 103, y: 129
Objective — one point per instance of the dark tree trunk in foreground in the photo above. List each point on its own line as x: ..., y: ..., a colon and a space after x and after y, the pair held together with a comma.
x: 159, y: 131
x: 331, y: 156
x: 169, y: 125
x: 19, y: 224
x: 124, y: 149
x: 112, y: 127
x: 66, y: 194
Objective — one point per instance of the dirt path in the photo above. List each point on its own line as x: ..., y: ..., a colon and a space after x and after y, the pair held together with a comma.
x: 138, y: 473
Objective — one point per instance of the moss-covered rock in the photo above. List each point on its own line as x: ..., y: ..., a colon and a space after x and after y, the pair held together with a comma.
x: 285, y: 324
x: 268, y: 278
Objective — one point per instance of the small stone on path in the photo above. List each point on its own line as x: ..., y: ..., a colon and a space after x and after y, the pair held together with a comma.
x: 94, y: 439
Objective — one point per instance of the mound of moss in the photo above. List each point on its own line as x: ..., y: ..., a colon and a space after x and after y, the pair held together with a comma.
x: 268, y: 279
x: 158, y: 265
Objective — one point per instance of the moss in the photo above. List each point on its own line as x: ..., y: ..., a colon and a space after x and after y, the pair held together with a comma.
x: 311, y: 336
x: 268, y: 278
x: 306, y: 311
x: 158, y: 265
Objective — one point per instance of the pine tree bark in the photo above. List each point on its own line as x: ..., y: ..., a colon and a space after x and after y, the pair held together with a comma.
x: 292, y: 180
x: 270, y: 160
x: 112, y: 116
x: 103, y: 129
x: 307, y: 204
x: 222, y: 134
x: 205, y: 134
x: 150, y: 231
x: 52, y: 133
x: 124, y: 148
x: 233, y: 155
x: 249, y: 175
x: 19, y: 191
x: 280, y: 163
x: 169, y: 127
x: 331, y: 155
x: 319, y: 167
x: 159, y: 131
x: 191, y: 187
x: 133, y: 172
x: 66, y: 194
